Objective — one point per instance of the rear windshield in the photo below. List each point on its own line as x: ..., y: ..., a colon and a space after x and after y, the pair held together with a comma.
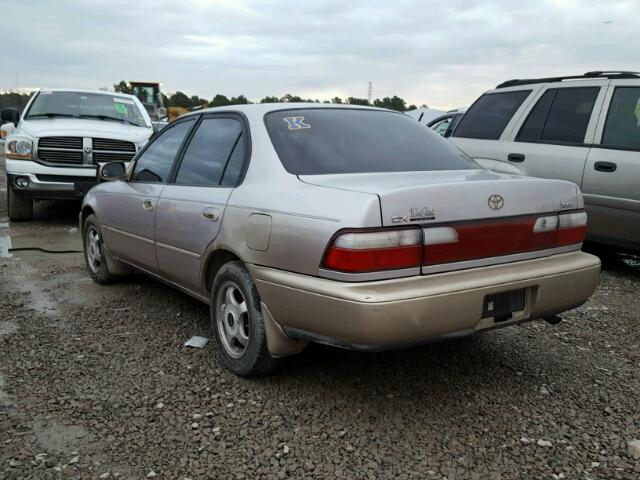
x: 340, y: 140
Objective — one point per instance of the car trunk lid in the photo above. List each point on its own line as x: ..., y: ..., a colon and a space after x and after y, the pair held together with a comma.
x: 469, y: 215
x: 452, y: 196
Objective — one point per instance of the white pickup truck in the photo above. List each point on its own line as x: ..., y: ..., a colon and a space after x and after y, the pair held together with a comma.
x: 53, y: 149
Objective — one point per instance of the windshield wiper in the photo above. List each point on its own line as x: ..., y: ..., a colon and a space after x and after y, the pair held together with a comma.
x: 107, y: 117
x: 51, y: 115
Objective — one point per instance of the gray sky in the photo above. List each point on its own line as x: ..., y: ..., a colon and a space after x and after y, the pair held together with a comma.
x: 443, y: 54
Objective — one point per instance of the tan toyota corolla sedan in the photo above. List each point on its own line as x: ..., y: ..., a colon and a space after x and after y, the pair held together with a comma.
x: 354, y: 227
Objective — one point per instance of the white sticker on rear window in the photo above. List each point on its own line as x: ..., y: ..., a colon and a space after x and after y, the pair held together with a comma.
x: 123, y: 100
x: 296, y: 123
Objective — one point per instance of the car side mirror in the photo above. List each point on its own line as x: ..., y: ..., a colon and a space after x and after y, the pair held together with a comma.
x: 112, y: 171
x: 10, y: 115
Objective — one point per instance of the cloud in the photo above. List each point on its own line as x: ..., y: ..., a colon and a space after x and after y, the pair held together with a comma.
x: 439, y: 53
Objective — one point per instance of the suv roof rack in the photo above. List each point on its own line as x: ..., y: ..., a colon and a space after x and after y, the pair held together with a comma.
x: 617, y: 74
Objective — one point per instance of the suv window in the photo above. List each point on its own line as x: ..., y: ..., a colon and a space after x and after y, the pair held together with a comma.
x: 316, y: 141
x: 622, y: 128
x: 209, y: 151
x: 154, y: 164
x: 489, y: 115
x: 561, y: 115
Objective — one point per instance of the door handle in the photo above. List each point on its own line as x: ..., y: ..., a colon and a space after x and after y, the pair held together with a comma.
x: 147, y: 205
x: 515, y: 157
x: 211, y: 214
x: 606, y: 167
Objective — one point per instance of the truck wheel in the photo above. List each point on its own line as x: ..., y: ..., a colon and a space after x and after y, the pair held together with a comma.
x: 237, y: 322
x: 94, y: 254
x: 19, y: 208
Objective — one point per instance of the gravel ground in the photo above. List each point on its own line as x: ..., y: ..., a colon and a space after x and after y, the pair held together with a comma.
x: 95, y: 383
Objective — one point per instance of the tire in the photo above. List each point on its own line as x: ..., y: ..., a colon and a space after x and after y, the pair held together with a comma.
x: 94, y: 255
x: 236, y: 318
x: 18, y: 208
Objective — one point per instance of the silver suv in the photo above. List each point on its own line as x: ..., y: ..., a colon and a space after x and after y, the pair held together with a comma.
x: 355, y: 227
x: 585, y: 129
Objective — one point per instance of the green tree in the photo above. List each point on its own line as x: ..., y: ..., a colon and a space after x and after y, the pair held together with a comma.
x: 358, y: 101
x: 14, y: 100
x: 123, y: 87
x: 288, y: 98
x: 219, y: 101
x: 336, y: 100
x: 239, y: 100
x: 196, y: 101
x: 179, y: 99
x: 270, y: 100
x: 393, y: 103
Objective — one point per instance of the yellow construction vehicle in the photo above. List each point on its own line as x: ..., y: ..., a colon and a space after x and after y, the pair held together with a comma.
x: 150, y: 95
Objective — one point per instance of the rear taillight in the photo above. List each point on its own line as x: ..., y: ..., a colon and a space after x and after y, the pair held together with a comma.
x: 495, y: 238
x: 360, y: 252
x: 371, y: 251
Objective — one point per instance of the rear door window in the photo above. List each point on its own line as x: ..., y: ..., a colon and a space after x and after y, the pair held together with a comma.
x: 622, y: 127
x: 532, y: 129
x: 489, y: 115
x: 209, y: 151
x: 319, y: 141
x: 567, y: 117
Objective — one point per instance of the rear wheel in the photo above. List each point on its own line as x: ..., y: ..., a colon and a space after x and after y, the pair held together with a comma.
x: 94, y: 254
x: 237, y: 322
x: 19, y: 208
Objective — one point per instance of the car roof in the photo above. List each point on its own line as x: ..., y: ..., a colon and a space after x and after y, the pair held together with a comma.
x: 264, y: 108
x: 600, y: 74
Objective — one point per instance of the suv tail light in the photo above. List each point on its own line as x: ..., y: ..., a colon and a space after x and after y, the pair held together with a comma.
x: 384, y: 249
x: 360, y: 252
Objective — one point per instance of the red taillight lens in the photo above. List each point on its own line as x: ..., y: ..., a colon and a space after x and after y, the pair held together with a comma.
x: 360, y: 252
x: 495, y: 238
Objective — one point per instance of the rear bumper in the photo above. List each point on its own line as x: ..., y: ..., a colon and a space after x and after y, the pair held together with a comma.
x: 390, y: 313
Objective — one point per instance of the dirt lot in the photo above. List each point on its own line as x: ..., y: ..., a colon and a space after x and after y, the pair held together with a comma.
x: 95, y: 383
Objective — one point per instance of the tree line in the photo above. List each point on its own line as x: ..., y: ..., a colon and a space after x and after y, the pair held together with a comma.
x: 180, y: 99
x: 14, y: 100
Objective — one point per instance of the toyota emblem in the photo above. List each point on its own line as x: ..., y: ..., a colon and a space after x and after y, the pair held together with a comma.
x: 496, y: 202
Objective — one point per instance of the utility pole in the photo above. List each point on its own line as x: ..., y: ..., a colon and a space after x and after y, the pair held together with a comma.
x: 370, y: 92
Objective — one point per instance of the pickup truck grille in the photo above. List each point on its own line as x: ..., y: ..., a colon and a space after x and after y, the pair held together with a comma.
x: 107, y: 150
x: 113, y: 145
x: 60, y: 150
x: 61, y: 142
x: 69, y: 150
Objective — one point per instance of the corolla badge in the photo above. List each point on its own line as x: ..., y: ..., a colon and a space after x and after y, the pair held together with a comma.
x: 421, y: 214
x: 417, y: 214
x: 496, y: 202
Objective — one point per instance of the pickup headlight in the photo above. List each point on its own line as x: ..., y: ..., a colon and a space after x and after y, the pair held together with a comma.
x: 19, y: 149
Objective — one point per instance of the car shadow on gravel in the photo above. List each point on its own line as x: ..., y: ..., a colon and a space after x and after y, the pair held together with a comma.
x: 616, y: 260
